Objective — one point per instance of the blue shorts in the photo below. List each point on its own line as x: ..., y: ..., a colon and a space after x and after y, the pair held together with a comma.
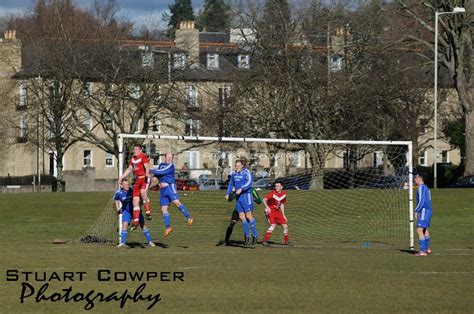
x: 168, y: 194
x: 424, y: 218
x: 127, y: 216
x: 245, y: 203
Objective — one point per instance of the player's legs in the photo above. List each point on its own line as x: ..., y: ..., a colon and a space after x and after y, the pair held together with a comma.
x: 136, y: 202
x: 126, y: 218
x: 286, y: 236
x: 230, y: 228
x: 165, y: 200
x: 146, y: 202
x: 421, y: 239
x: 268, y: 234
x: 427, y: 241
x: 146, y: 232
x: 252, y: 223
x: 245, y: 224
x: 182, y: 208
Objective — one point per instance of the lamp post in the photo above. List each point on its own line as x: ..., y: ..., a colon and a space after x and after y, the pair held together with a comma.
x: 456, y: 10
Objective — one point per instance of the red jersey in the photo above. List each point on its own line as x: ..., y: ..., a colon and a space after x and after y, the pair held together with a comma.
x: 274, y: 200
x: 138, y: 164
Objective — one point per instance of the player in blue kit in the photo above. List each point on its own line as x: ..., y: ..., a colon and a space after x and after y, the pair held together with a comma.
x: 423, y: 213
x: 168, y: 193
x: 124, y: 202
x: 241, y: 183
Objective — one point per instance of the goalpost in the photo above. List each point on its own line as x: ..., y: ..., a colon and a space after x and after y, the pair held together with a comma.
x: 341, y: 191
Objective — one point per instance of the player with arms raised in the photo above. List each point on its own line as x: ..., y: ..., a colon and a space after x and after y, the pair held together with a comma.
x: 275, y: 210
x: 241, y: 182
x: 139, y: 166
x: 168, y: 193
x: 124, y: 202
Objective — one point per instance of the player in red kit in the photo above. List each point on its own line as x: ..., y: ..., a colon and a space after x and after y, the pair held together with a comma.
x: 275, y: 210
x: 141, y: 171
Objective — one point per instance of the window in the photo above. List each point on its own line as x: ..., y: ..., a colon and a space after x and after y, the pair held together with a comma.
x: 192, y: 96
x: 192, y: 159
x: 87, y: 121
x: 108, y: 123
x: 23, y: 126
x: 224, y: 93
x: 87, y: 158
x: 109, y: 160
x: 213, y: 61
x: 243, y: 61
x: 192, y: 127
x: 423, y: 159
x: 336, y: 63
x: 179, y: 60
x: 23, y: 95
x: 148, y: 59
x: 136, y: 127
x: 295, y: 159
x: 156, y: 127
x: 87, y: 89
x: 445, y: 156
x: 155, y: 156
x: 134, y: 91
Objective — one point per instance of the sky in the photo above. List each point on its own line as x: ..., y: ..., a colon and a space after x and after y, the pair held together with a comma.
x: 142, y: 12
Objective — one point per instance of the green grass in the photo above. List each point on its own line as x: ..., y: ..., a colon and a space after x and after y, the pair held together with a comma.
x: 332, y: 273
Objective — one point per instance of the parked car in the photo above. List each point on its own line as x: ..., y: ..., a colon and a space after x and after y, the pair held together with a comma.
x: 263, y: 184
x: 466, y: 182
x: 187, y: 185
x: 211, y: 184
x: 302, y: 182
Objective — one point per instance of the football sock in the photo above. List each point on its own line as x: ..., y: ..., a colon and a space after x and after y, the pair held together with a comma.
x: 268, y: 234
x: 253, y: 225
x: 422, y: 245
x: 184, y: 211
x: 123, y: 236
x: 147, y: 207
x: 167, y: 220
x: 147, y: 234
x: 136, y: 215
x: 245, y: 226
x: 228, y: 232
x: 427, y: 242
x: 286, y: 238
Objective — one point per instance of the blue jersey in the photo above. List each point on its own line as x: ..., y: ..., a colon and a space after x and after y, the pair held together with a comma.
x: 164, y: 172
x: 423, y: 198
x: 240, y: 180
x: 126, y: 198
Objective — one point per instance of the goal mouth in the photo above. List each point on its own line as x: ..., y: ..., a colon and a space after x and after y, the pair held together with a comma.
x: 356, y: 193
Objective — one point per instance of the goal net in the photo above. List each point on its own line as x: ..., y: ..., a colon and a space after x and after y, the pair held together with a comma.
x: 347, y: 193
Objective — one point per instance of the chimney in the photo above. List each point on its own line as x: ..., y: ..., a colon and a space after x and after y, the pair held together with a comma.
x: 10, y: 34
x: 187, y: 38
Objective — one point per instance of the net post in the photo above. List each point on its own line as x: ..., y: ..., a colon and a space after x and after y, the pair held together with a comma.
x: 410, y: 194
x: 120, y: 172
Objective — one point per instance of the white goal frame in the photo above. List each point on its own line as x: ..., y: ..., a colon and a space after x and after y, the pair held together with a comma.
x: 409, y: 144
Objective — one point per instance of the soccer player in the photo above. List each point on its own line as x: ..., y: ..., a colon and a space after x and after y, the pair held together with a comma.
x: 235, y: 215
x: 139, y: 166
x: 241, y: 182
x: 168, y: 193
x: 423, y: 212
x: 275, y: 210
x: 124, y: 202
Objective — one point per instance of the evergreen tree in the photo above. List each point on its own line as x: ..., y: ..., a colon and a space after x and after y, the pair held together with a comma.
x: 181, y: 10
x: 216, y: 16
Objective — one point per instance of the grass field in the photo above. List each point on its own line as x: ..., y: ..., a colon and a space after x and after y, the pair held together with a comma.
x: 315, y: 275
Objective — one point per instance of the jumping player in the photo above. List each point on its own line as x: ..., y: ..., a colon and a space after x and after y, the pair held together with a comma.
x: 168, y: 193
x: 423, y: 213
x: 123, y: 202
x: 241, y: 182
x: 275, y: 210
x: 235, y: 214
x: 139, y: 166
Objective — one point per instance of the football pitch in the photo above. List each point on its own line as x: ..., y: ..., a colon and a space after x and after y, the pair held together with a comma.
x: 315, y: 274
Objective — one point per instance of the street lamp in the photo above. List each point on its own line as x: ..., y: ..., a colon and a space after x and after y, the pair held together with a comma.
x: 456, y: 10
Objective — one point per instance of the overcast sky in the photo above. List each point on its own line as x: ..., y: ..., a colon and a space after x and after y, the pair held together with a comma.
x: 139, y: 11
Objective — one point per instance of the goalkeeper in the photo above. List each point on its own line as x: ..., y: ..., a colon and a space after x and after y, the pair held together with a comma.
x: 124, y: 202
x: 235, y: 214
